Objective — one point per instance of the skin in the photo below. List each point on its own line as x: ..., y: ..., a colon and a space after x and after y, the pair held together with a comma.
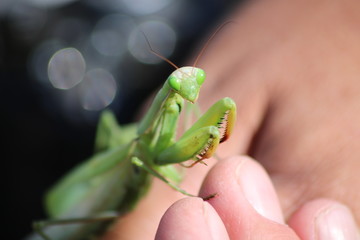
x: 293, y: 69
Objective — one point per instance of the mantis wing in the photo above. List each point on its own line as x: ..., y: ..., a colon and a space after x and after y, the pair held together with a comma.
x: 85, y: 191
x: 110, y: 134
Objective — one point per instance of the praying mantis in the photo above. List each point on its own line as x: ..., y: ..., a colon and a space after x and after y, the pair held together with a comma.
x: 115, y: 178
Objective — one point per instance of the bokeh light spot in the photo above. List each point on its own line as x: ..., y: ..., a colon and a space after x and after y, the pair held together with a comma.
x: 66, y: 68
x: 50, y: 3
x: 97, y: 90
x: 142, y: 7
x: 110, y: 34
x: 107, y: 42
x: 162, y: 39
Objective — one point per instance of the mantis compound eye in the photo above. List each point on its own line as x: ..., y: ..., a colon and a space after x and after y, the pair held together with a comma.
x: 200, y: 76
x: 174, y: 83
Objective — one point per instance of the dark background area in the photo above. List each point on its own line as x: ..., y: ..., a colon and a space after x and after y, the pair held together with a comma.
x: 46, y: 131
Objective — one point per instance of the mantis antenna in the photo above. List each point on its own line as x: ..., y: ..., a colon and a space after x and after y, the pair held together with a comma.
x: 157, y: 54
x: 210, y: 39
x: 198, y: 56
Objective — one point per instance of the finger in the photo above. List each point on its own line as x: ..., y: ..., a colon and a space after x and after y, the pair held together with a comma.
x: 191, y: 218
x: 324, y: 219
x: 245, y: 200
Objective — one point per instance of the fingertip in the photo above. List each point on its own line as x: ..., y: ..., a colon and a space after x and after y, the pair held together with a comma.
x: 213, y: 221
x: 191, y: 218
x: 243, y: 178
x: 246, y: 200
x: 324, y: 219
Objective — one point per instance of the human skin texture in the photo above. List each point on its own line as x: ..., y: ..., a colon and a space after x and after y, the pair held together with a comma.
x: 293, y: 69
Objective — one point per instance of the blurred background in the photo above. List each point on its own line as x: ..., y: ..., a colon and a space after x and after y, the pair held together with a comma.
x: 61, y: 63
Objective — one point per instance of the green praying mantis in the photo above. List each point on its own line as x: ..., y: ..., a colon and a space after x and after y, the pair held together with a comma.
x: 115, y: 178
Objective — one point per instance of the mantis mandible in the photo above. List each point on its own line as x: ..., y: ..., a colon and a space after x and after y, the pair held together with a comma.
x: 112, y: 181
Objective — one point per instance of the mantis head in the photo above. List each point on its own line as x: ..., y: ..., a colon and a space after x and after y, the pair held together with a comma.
x: 186, y: 81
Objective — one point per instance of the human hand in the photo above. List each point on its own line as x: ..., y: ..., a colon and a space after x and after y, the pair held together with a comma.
x: 293, y: 69
x: 246, y: 207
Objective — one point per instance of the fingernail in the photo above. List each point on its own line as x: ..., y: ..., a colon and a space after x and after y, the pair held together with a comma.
x: 258, y: 190
x: 336, y: 222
